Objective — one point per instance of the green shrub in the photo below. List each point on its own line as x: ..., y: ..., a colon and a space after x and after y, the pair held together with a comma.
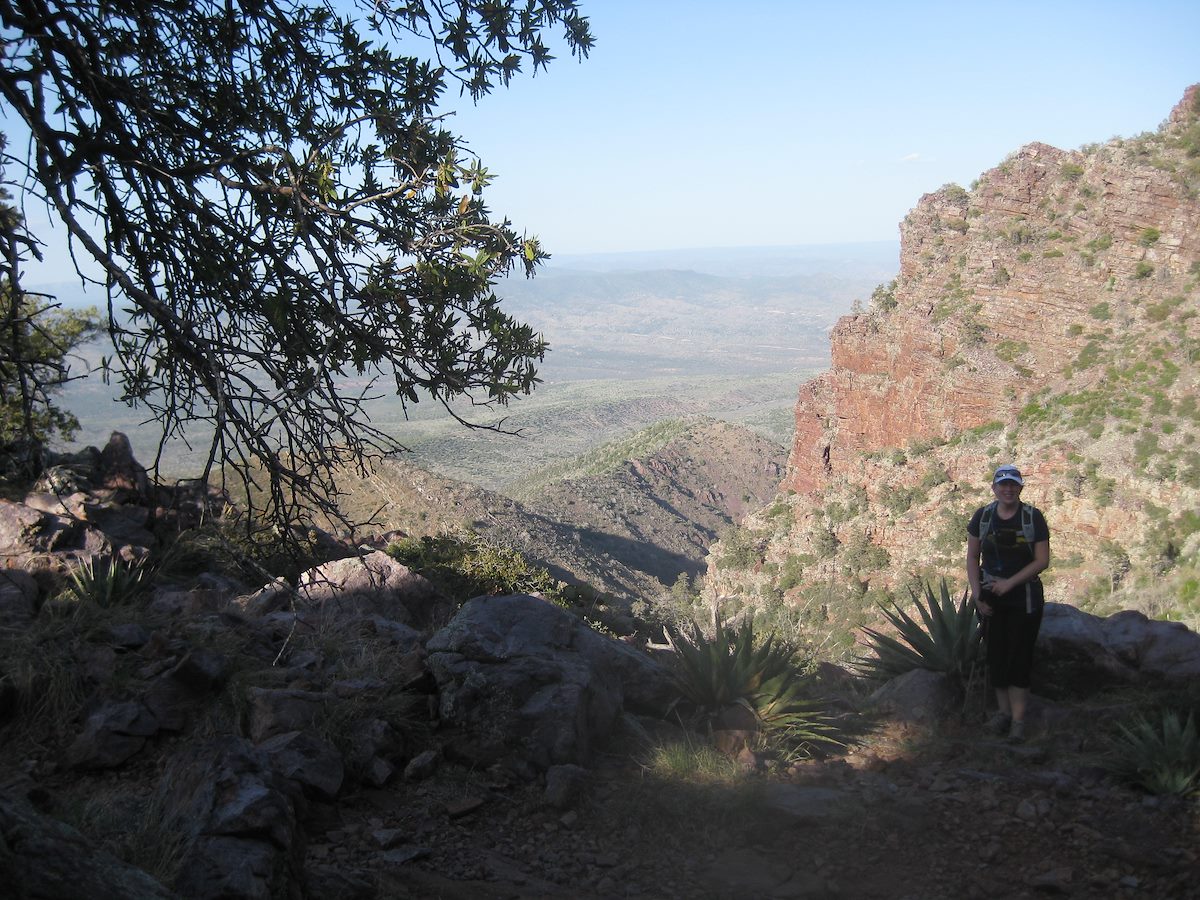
x: 738, y: 551
x: 1162, y: 756
x: 463, y: 566
x: 1071, y: 171
x: 883, y: 297
x: 1009, y: 350
x: 955, y: 193
x: 1148, y: 236
x: 1143, y: 270
x: 111, y: 583
x: 792, y: 572
x: 946, y: 639
x: 733, y: 668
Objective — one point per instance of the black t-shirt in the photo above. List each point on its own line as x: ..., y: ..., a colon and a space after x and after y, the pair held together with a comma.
x: 1005, y: 550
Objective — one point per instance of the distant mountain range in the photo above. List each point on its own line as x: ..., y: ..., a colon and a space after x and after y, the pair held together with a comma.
x: 635, y: 338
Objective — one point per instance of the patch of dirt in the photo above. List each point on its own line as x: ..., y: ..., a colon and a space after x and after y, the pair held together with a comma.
x: 908, y: 814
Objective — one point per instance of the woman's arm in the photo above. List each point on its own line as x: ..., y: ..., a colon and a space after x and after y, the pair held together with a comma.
x: 1041, y: 561
x: 974, y: 550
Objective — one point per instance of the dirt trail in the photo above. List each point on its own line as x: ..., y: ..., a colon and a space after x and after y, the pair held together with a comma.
x: 904, y: 816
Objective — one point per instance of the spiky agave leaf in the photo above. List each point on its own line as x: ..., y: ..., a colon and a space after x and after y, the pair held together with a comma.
x: 1162, y: 755
x: 945, y: 639
x: 732, y: 668
x: 111, y: 583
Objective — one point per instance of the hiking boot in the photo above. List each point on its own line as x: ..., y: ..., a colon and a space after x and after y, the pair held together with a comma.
x: 1016, y: 732
x: 998, y: 724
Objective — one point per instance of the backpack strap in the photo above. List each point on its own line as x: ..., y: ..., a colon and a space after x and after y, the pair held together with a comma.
x: 985, y: 520
x: 1027, y: 523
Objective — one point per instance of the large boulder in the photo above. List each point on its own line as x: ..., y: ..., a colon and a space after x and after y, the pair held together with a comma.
x: 538, y: 680
x: 1086, y: 651
x: 918, y: 696
x: 44, y: 858
x: 374, y: 584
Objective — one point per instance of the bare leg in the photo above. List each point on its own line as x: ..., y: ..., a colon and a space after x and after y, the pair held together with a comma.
x: 1017, y: 698
x: 1004, y: 704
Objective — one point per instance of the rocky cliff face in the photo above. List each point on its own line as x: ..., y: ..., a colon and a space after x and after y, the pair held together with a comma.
x: 995, y: 291
x: 1046, y: 316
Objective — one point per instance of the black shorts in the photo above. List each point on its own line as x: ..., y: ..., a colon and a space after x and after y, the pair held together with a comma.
x: 1012, y: 631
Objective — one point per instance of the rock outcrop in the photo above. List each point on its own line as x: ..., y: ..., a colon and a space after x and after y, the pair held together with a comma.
x: 1005, y: 265
x: 1048, y: 316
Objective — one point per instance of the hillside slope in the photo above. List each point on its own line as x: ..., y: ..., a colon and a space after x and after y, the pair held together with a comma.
x: 1047, y: 316
x: 628, y: 518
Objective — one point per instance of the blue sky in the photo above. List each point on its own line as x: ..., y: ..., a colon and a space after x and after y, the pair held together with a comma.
x: 713, y: 124
x: 697, y: 123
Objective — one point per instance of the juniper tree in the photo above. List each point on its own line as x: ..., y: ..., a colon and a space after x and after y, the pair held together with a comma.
x: 282, y: 224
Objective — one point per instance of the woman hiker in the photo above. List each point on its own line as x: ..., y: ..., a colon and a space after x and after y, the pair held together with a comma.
x: 1008, y: 545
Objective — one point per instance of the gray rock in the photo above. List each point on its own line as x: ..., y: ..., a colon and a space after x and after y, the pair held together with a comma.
x: 241, y: 817
x: 311, y: 762
x: 270, y: 598
x: 201, y: 670
x: 1126, y: 646
x: 119, y: 471
x: 374, y: 743
x: 58, y: 502
x: 422, y: 766
x: 918, y: 696
x: 537, y: 679
x: 44, y: 858
x: 564, y: 784
x: 278, y: 710
x: 122, y: 525
x: 366, y: 585
x: 129, y: 636
x: 219, y: 868
x: 111, y: 735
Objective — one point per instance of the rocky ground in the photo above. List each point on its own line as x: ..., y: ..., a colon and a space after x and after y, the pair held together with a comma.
x: 904, y: 810
x: 310, y: 743
x: 908, y: 812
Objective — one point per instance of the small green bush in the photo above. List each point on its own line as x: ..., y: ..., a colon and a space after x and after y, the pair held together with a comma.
x: 732, y: 668
x: 463, y: 566
x: 1162, y: 756
x: 1148, y: 236
x: 110, y: 583
x: 1143, y: 270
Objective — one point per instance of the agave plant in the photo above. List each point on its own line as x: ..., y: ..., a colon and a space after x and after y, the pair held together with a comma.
x: 730, y: 668
x: 1162, y: 755
x: 110, y: 583
x: 945, y: 639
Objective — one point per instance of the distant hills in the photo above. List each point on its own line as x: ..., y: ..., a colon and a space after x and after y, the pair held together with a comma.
x: 635, y: 338
x: 690, y: 312
x: 628, y: 518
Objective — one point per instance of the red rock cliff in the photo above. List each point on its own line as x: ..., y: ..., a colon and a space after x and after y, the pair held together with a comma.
x: 997, y: 289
